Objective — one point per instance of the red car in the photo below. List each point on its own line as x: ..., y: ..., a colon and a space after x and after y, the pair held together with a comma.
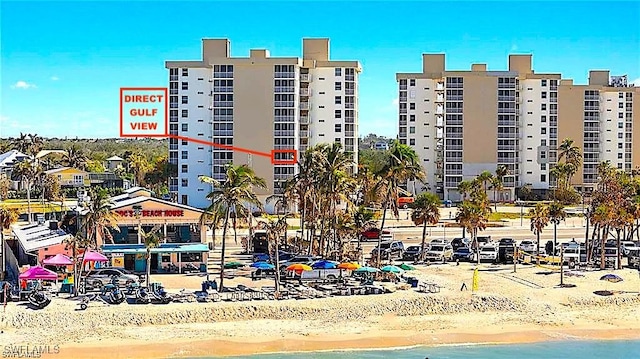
x: 373, y: 233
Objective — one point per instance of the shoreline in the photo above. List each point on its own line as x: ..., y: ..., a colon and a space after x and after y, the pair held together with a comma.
x: 292, y: 345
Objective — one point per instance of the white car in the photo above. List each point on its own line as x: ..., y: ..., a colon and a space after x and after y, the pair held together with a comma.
x: 439, y: 242
x: 528, y: 246
x: 488, y: 254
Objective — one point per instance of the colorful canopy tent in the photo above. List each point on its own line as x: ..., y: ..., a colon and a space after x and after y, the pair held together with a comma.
x: 93, y: 256
x: 58, y: 260
x: 38, y: 272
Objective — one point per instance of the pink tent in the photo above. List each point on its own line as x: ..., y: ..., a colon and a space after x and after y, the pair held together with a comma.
x: 38, y: 272
x: 93, y: 256
x: 58, y: 260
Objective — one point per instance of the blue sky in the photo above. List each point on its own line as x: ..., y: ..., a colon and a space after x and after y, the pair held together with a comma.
x: 63, y: 62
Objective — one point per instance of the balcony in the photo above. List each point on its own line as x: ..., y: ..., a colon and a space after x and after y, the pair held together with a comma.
x: 173, y: 77
x: 454, y: 98
x: 220, y: 161
x: 305, y: 91
x: 507, y: 148
x: 592, y: 108
x: 455, y: 171
x: 403, y: 87
x: 403, y: 122
x: 304, y: 120
x: 507, y: 110
x: 283, y: 147
x: 284, y: 75
x: 283, y: 104
x: 349, y: 105
x: 553, y: 100
x: 349, y: 148
x: 553, y: 111
x: 349, y: 77
x: 223, y: 132
x: 223, y: 75
x: 173, y: 105
x: 508, y: 123
x: 173, y: 188
x: 349, y: 92
x: 305, y: 77
x: 453, y: 159
x: 304, y: 133
x: 402, y: 99
x: 222, y: 118
x: 223, y: 89
x: 349, y: 133
x: 403, y: 110
x: 592, y: 97
x: 303, y: 148
x: 453, y: 147
x: 173, y: 91
x: 507, y: 135
x: 507, y: 160
x: 506, y: 85
x: 349, y: 120
x: 282, y: 176
x: 440, y: 98
x: 553, y: 87
x: 507, y: 98
x: 222, y: 103
x: 304, y: 106
x: 284, y: 133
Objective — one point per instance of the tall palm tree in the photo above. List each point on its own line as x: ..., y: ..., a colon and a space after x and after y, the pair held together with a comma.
x: 539, y: 219
x: 403, y: 165
x: 275, y: 229
x: 464, y: 188
x: 8, y: 216
x: 501, y: 172
x: 75, y: 157
x: 426, y: 211
x: 556, y: 215
x: 22, y: 143
x: 212, y: 218
x: 496, y: 185
x: 27, y: 172
x: 485, y: 178
x: 99, y: 220
x: 572, y: 156
x: 77, y: 242
x: 233, y: 194
x: 473, y: 217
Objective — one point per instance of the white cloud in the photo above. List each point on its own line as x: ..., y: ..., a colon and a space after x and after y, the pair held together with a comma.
x: 23, y: 85
x: 636, y: 82
x: 55, y: 78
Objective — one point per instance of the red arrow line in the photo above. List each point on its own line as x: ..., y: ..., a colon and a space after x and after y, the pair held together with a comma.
x: 218, y: 145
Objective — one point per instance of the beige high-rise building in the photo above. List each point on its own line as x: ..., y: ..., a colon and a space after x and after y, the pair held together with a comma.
x: 462, y: 123
x: 260, y: 103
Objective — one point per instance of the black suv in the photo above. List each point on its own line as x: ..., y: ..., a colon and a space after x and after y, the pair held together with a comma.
x: 412, y: 253
x: 389, y: 249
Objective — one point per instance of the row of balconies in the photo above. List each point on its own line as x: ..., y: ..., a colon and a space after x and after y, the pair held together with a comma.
x: 284, y: 133
x: 284, y: 75
x: 222, y: 75
x: 222, y: 88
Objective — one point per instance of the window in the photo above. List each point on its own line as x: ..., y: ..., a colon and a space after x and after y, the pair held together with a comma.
x: 620, y: 115
x: 543, y: 83
x: 185, y: 100
x: 620, y: 125
x: 185, y: 72
x: 412, y: 106
x: 543, y: 178
x: 338, y: 127
x: 543, y: 94
x: 338, y: 100
x: 543, y: 131
x: 543, y: 107
x: 338, y: 113
x: 185, y: 155
x: 620, y: 95
x: 412, y: 141
x: 543, y: 142
x: 412, y: 129
x: 543, y: 119
x: 185, y: 85
x: 338, y: 86
x: 190, y: 257
x: 185, y: 113
x: 620, y: 135
x: 543, y: 167
x: 184, y: 201
x: 619, y: 156
x: 619, y: 146
x: 620, y: 105
x: 185, y: 142
x: 412, y: 82
x: 412, y: 118
x: 78, y: 178
x: 185, y: 127
x: 338, y: 71
x: 185, y: 168
x: 543, y: 154
x: 185, y: 182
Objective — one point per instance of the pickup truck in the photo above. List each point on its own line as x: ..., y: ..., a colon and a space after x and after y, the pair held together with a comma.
x: 316, y: 274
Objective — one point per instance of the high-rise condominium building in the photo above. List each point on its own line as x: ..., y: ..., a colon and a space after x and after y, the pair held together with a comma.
x: 260, y: 103
x: 462, y: 123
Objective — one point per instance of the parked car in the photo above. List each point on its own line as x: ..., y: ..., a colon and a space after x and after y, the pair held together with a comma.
x: 100, y: 277
x: 482, y: 241
x: 315, y: 274
x: 390, y: 249
x: 528, y: 246
x: 411, y: 253
x: 440, y: 252
x: 625, y: 245
x: 634, y: 258
x: 372, y: 234
x: 439, y: 241
x: 463, y: 254
x: 488, y: 254
x: 460, y: 242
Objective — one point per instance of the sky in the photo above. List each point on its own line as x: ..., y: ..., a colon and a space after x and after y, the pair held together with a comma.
x: 62, y: 63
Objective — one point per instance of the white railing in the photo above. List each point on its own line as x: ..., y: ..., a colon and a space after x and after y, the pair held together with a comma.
x: 304, y: 120
x: 223, y: 89
x: 304, y: 105
x: 305, y: 77
x: 304, y: 91
x: 284, y: 133
x: 284, y: 75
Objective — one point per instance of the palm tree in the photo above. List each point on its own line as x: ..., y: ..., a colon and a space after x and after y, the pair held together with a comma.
x: 77, y: 242
x: 539, y: 219
x: 426, y: 211
x: 556, y: 215
x: 74, y: 157
x: 8, y: 216
x: 140, y: 165
x: 212, y: 218
x: 232, y: 195
x: 473, y: 217
x: 151, y: 240
x: 403, y: 165
x: 496, y: 185
x: 275, y: 229
x: 501, y: 172
x: 485, y: 177
x: 99, y: 220
x: 464, y: 188
x: 572, y: 156
x: 27, y: 171
x: 22, y: 143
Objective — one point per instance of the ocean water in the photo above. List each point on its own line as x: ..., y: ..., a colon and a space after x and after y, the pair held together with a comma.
x: 577, y: 349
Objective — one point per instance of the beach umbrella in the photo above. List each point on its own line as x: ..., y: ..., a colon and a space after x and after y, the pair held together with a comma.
x: 263, y: 265
x: 58, y: 260
x: 92, y: 256
x: 611, y: 278
x: 391, y: 269
x: 348, y: 266
x: 406, y: 267
x: 367, y: 270
x: 233, y: 265
x: 324, y: 265
x: 38, y: 272
x: 299, y: 267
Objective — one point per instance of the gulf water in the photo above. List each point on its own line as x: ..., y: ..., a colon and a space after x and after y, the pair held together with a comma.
x: 577, y: 349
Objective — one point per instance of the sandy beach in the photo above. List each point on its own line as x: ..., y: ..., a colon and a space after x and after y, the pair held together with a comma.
x: 525, y: 306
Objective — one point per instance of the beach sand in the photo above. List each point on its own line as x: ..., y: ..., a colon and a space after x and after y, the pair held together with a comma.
x: 509, y: 308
